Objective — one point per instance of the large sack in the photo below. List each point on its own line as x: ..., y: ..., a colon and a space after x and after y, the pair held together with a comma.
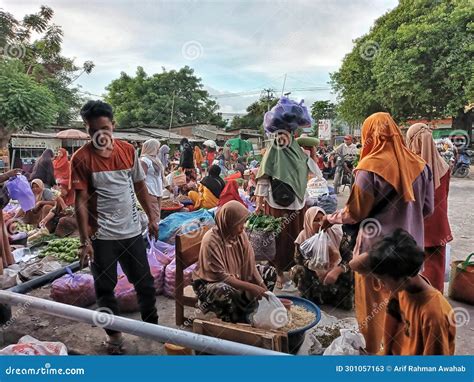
x: 74, y: 289
x: 28, y: 345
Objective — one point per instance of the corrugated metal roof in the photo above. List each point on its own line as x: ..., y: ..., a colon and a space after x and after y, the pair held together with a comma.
x: 165, y: 135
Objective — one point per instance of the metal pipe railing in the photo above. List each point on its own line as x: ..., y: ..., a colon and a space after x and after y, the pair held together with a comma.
x: 138, y: 328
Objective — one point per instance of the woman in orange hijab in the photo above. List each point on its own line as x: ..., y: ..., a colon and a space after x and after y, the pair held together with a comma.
x: 62, y: 169
x: 393, y: 188
x: 198, y: 158
x: 437, y: 229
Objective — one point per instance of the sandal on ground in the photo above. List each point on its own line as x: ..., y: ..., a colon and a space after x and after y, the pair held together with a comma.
x: 114, y: 347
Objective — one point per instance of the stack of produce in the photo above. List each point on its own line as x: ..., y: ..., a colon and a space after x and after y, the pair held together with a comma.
x: 262, y: 231
x: 66, y: 249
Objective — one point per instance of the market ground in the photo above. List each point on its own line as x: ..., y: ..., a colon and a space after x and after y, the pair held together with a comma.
x: 85, y: 339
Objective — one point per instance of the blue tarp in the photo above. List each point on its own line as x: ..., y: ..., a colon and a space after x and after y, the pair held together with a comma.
x: 183, y: 222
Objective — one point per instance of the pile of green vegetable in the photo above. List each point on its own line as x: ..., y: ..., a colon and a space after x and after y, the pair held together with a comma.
x: 263, y: 223
x: 66, y: 249
x: 22, y: 227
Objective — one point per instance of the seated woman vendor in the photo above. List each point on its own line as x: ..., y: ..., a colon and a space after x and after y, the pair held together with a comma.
x: 331, y: 286
x: 209, y: 190
x: 61, y: 214
x: 43, y: 197
x: 226, y: 280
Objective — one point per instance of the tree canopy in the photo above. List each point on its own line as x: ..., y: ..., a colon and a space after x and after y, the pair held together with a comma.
x: 253, y: 119
x: 148, y: 100
x: 416, y: 62
x: 36, y: 42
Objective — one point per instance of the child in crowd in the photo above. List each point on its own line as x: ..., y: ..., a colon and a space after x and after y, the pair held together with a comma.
x: 419, y: 319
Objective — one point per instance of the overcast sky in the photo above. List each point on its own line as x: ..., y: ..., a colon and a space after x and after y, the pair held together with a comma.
x: 234, y: 46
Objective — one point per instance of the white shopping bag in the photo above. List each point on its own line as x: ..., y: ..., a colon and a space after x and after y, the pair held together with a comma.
x: 349, y: 343
x: 270, y: 313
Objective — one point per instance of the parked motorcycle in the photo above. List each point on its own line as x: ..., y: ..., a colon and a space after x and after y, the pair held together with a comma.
x: 343, y: 175
x: 462, y: 165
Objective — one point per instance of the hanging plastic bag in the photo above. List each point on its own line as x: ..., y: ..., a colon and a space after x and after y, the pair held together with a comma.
x: 317, y: 250
x: 270, y: 313
x: 349, y: 343
x: 162, y: 252
x: 19, y: 189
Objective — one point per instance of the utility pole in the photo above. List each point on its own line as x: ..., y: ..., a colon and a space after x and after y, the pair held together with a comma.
x: 268, y: 97
x: 171, y: 118
x: 283, y: 88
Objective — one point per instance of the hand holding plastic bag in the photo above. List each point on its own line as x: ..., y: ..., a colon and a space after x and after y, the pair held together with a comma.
x: 270, y: 313
x: 316, y: 249
x: 19, y: 189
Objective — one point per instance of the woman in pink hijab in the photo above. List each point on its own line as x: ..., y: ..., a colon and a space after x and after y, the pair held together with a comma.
x: 437, y: 230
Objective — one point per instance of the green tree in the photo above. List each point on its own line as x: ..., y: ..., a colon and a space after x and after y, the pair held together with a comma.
x: 322, y: 110
x: 36, y: 42
x: 255, y: 112
x: 416, y: 62
x: 145, y: 99
x: 24, y: 103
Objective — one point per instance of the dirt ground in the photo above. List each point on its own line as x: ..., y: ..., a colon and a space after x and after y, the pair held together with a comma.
x: 85, y: 339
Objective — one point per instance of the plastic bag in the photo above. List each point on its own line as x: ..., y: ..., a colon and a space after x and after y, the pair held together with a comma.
x: 126, y: 295
x: 349, y: 343
x: 28, y: 345
x: 270, y: 313
x: 183, y: 222
x: 19, y: 189
x: 74, y: 289
x: 317, y: 251
x: 170, y: 278
x: 286, y: 115
x: 162, y: 252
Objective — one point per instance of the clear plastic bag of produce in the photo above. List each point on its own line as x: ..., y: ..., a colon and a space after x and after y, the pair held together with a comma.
x: 28, y: 345
x: 270, y: 313
x: 316, y: 249
x: 349, y: 343
x: 170, y: 278
x: 74, y: 289
x: 19, y: 189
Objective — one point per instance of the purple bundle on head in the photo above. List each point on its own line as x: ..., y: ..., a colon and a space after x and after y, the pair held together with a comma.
x: 286, y: 115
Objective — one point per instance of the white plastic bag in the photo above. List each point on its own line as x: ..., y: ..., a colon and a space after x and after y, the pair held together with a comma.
x: 349, y: 343
x: 316, y: 248
x: 28, y: 345
x: 270, y: 313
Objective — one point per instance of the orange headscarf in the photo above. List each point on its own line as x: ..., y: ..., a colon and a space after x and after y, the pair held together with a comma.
x: 385, y: 154
x: 61, y: 167
x: 198, y: 155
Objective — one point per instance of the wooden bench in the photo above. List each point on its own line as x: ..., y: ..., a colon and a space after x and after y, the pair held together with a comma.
x: 243, y: 333
x: 188, y: 246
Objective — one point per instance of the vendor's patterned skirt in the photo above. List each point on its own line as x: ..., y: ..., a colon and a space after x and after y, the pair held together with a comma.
x: 228, y: 303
